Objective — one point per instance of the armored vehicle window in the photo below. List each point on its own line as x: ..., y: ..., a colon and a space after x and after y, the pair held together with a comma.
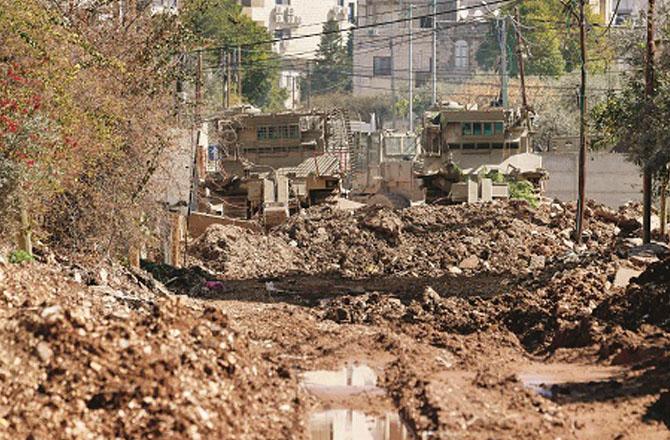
x: 262, y: 133
x: 467, y: 128
x: 477, y: 129
x: 293, y: 131
x: 488, y: 129
x: 499, y: 128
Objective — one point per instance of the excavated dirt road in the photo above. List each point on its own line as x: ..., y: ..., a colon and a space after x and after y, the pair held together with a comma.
x: 429, y: 323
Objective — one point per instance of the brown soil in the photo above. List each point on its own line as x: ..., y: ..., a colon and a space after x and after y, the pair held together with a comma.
x: 530, y: 340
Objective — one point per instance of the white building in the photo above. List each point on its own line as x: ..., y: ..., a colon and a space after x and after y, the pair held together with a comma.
x: 298, y: 23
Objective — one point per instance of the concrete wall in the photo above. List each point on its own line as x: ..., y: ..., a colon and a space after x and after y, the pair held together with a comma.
x: 198, y: 222
x: 610, y: 179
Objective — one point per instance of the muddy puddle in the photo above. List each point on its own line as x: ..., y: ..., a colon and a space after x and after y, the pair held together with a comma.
x: 548, y: 379
x: 537, y: 383
x: 349, y: 380
x: 347, y: 424
x: 344, y: 419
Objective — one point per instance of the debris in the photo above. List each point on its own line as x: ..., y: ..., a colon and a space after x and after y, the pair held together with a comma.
x: 472, y: 262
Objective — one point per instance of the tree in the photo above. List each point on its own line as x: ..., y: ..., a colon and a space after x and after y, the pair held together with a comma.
x: 221, y: 23
x: 637, y: 124
x: 85, y: 106
x: 333, y: 69
x: 551, y: 36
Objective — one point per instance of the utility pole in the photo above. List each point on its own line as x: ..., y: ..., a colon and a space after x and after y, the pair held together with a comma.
x: 522, y: 71
x: 411, y: 69
x: 198, y: 88
x: 434, y: 66
x: 229, y: 59
x: 649, y: 91
x: 309, y: 85
x: 239, y: 72
x: 582, y: 127
x: 504, y: 75
x: 393, y: 94
x: 222, y: 55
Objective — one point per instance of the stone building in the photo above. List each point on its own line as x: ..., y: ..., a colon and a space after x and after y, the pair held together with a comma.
x: 381, y: 54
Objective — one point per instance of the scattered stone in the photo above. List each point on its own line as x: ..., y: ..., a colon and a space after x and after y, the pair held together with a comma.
x: 44, y: 352
x: 472, y: 262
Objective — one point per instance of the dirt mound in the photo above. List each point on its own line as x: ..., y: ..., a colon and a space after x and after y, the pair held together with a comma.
x: 551, y: 310
x: 97, y: 362
x: 501, y: 237
x: 645, y: 301
x: 238, y: 253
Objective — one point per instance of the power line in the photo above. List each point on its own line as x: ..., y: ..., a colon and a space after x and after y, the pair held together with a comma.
x: 352, y: 29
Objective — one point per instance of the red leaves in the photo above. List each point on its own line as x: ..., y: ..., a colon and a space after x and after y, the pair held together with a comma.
x: 36, y: 102
x: 10, y: 125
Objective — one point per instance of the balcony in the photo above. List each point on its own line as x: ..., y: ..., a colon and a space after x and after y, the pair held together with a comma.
x: 285, y: 17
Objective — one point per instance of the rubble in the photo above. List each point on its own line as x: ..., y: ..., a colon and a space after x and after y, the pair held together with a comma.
x: 442, y: 301
x: 645, y: 301
x: 74, y: 366
x: 500, y: 237
x: 239, y: 253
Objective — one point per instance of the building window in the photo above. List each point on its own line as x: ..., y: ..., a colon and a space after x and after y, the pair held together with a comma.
x: 381, y: 66
x: 282, y: 2
x: 488, y: 129
x: 466, y: 128
x: 476, y: 129
x: 262, y: 133
x: 426, y: 22
x: 461, y: 55
x: 280, y: 34
x: 499, y: 128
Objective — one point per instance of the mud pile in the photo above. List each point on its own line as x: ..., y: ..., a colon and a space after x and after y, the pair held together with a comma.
x: 238, y: 253
x: 645, y: 301
x: 501, y: 237
x: 99, y: 362
x: 543, y: 310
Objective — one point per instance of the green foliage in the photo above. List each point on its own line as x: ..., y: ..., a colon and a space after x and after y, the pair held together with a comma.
x: 20, y: 256
x: 637, y: 124
x: 634, y: 122
x: 423, y: 99
x: 553, y: 47
x: 221, y: 23
x: 523, y: 190
x: 333, y: 69
x: 276, y: 99
x: 85, y: 115
x: 496, y: 176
